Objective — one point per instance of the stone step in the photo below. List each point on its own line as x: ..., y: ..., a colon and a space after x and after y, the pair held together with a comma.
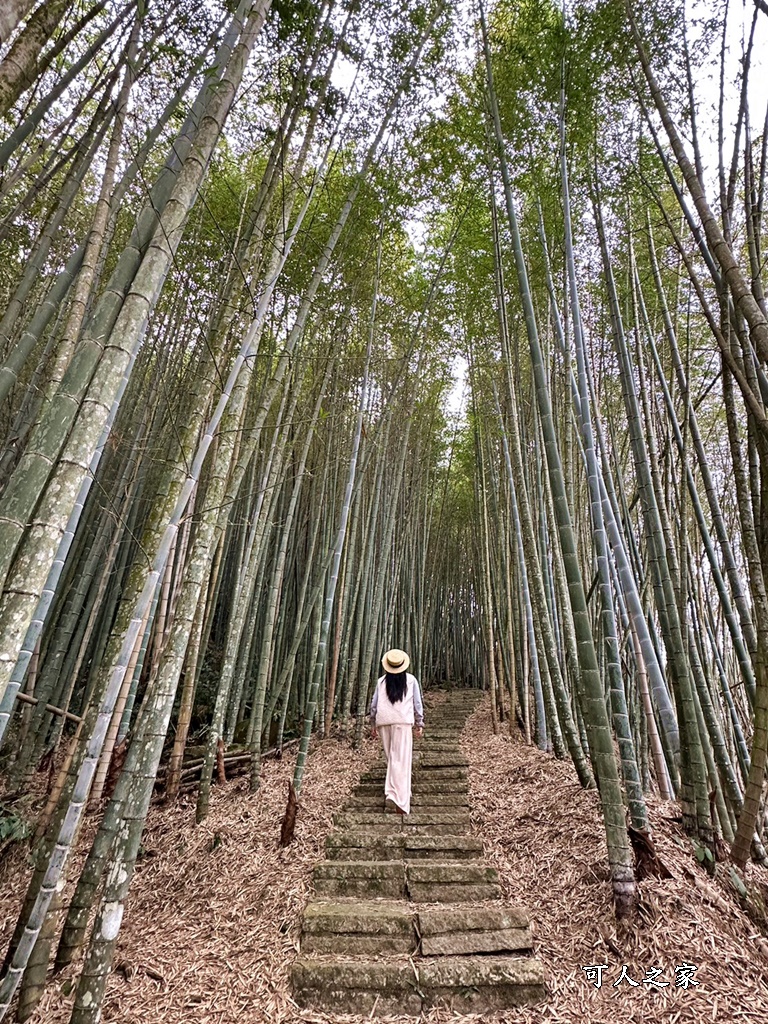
x: 423, y: 879
x: 359, y: 927
x: 450, y: 774
x: 370, y: 846
x: 443, y: 847
x: 450, y: 931
x: 448, y: 778
x: 418, y: 788
x: 451, y: 882
x: 428, y: 762
x: 451, y: 872
x: 362, y: 878
x: 479, y: 984
x: 447, y: 706
x: 372, y: 987
x: 452, y: 705
x: 385, y: 825
x: 470, y: 701
x: 439, y: 829
x: 355, y: 819
x: 457, y: 817
x: 446, y: 759
x: 444, y: 726
x: 455, y: 720
x: 447, y: 719
x: 452, y: 690
x: 365, y: 819
x: 375, y: 801
x: 365, y: 845
x: 377, y: 988
x: 423, y: 785
x: 450, y: 758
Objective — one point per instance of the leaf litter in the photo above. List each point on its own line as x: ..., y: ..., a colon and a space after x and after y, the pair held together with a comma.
x: 544, y: 835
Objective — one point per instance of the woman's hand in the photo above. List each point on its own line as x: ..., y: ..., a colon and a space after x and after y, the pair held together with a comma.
x: 374, y: 734
x: 418, y: 731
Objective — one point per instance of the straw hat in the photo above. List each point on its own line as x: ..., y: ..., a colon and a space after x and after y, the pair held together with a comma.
x: 395, y: 661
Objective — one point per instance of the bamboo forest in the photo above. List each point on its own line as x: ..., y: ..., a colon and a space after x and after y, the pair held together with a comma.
x: 337, y: 328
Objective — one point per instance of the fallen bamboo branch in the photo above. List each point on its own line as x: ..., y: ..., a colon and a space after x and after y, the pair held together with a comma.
x: 25, y: 698
x: 237, y: 758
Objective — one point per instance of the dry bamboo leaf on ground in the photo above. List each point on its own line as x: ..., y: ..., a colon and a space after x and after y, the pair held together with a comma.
x: 544, y: 835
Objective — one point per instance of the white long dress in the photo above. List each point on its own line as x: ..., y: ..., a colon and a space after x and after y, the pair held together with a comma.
x: 394, y: 724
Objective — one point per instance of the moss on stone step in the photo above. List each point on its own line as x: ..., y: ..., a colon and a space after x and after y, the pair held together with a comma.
x: 357, y: 986
x: 480, y: 984
x: 450, y: 931
x: 394, y: 822
x: 451, y: 881
x: 452, y: 892
x: 365, y: 845
x: 377, y: 987
x: 429, y: 762
x: 443, y: 775
x: 420, y: 801
x: 371, y: 846
x: 458, y: 818
x: 360, y: 878
x: 458, y: 847
x: 451, y: 871
x: 358, y: 927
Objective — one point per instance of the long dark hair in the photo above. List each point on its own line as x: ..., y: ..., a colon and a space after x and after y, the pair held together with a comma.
x: 396, y: 684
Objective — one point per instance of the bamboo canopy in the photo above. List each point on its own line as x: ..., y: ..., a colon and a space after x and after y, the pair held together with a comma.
x: 330, y: 328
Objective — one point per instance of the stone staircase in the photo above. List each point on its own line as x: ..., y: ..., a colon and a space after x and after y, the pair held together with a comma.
x: 406, y: 915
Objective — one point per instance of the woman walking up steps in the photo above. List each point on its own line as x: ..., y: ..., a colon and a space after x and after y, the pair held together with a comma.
x: 395, y: 709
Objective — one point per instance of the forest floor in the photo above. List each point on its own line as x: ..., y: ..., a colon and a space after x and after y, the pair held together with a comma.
x: 545, y: 836
x: 212, y: 922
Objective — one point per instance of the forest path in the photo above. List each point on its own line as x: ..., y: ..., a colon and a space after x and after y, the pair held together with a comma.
x: 406, y: 913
